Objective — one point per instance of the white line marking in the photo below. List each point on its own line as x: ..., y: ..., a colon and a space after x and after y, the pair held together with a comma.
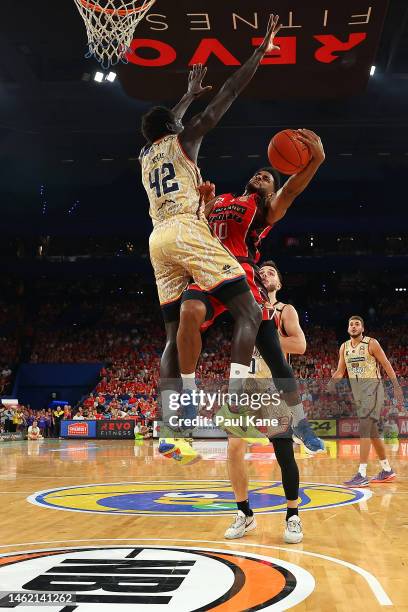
x: 371, y: 580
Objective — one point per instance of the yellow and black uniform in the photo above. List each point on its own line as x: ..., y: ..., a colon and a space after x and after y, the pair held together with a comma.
x: 365, y: 379
x: 181, y: 244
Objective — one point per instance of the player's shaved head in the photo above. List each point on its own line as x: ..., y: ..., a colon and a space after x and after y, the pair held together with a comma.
x: 158, y: 122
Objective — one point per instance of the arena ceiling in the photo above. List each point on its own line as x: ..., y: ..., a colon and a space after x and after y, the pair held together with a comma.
x: 79, y: 138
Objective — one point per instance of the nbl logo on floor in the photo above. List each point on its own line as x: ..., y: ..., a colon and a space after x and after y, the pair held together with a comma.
x: 135, y: 578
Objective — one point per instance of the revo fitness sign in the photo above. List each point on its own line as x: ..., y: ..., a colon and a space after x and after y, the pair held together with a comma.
x: 326, y: 47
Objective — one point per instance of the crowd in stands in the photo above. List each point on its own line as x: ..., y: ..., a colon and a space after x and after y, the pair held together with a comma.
x: 120, y: 325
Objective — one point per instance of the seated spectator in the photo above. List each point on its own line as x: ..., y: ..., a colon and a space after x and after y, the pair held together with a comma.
x: 79, y: 416
x: 34, y: 432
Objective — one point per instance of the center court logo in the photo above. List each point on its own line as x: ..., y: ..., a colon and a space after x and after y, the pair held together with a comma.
x: 191, y: 498
x: 171, y: 579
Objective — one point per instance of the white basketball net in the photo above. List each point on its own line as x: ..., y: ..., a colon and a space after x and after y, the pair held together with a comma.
x: 110, y: 25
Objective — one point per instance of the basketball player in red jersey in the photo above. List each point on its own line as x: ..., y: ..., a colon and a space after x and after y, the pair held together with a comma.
x: 241, y: 223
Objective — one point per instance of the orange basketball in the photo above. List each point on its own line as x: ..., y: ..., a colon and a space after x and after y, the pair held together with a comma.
x: 287, y: 153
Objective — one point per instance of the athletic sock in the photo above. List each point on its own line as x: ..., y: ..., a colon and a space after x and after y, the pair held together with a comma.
x: 362, y: 469
x: 385, y: 465
x: 169, y: 402
x: 291, y: 512
x: 297, y: 413
x: 189, y: 381
x: 238, y: 373
x: 244, y: 507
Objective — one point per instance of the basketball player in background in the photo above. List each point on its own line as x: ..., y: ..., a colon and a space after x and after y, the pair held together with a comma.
x: 181, y: 244
x: 292, y: 341
x: 362, y: 357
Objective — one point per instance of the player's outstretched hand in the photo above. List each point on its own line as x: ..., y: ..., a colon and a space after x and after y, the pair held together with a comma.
x: 195, y: 79
x: 207, y: 192
x: 273, y: 28
x: 314, y: 143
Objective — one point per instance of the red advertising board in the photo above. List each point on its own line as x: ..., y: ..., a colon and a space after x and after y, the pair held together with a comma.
x: 403, y: 426
x: 349, y: 428
x: 80, y: 429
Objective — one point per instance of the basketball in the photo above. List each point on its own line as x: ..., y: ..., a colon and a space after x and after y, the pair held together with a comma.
x: 287, y: 153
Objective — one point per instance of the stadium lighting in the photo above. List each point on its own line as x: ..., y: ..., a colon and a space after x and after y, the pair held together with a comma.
x: 372, y: 70
x: 98, y: 77
x: 111, y: 77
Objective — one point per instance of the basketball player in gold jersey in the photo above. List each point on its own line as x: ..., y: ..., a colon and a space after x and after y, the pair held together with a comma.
x: 181, y: 244
x: 362, y: 356
x: 292, y: 341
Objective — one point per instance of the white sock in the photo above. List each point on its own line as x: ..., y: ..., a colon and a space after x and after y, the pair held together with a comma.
x: 189, y: 381
x: 238, y: 374
x: 297, y: 413
x: 385, y: 465
x: 363, y: 469
x: 168, y: 401
x: 237, y: 370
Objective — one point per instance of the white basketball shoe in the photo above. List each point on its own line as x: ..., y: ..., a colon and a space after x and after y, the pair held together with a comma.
x: 241, y: 525
x: 293, y: 531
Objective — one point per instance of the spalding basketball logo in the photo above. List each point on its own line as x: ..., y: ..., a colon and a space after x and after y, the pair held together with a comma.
x: 171, y: 579
x: 183, y: 497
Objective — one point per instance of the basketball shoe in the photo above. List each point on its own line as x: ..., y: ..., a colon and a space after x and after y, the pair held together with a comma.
x: 241, y: 525
x: 304, y: 434
x: 179, y: 450
x: 234, y: 424
x: 357, y: 481
x: 384, y: 476
x: 293, y: 530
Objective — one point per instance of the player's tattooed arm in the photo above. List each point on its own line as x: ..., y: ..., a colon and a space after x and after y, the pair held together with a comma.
x: 195, y: 89
x: 207, y: 196
x: 297, y: 182
x: 202, y: 123
x: 295, y: 341
x: 339, y: 373
x: 376, y: 351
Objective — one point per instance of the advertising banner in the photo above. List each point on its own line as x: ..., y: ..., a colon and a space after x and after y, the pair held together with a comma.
x: 403, y: 426
x: 349, y: 428
x: 121, y: 428
x: 326, y: 428
x: 78, y: 429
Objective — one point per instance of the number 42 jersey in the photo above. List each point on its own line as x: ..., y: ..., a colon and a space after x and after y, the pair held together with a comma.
x: 170, y: 178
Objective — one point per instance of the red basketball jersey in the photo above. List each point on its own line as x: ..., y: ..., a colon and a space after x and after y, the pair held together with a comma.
x: 240, y: 225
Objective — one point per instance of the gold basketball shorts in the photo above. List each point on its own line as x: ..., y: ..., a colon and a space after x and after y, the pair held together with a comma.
x: 183, y: 248
x: 369, y: 399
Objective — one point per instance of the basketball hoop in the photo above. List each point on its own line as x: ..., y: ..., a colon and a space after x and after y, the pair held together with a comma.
x: 110, y: 25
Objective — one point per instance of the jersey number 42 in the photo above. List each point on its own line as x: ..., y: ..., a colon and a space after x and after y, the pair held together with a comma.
x: 161, y: 179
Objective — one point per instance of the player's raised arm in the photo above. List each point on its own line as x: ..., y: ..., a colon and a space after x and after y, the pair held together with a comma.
x: 202, y: 123
x: 195, y: 89
x: 297, y: 182
x: 376, y: 351
x: 295, y: 341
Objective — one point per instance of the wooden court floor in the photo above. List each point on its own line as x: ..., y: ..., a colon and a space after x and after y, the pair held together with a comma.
x: 106, y: 497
